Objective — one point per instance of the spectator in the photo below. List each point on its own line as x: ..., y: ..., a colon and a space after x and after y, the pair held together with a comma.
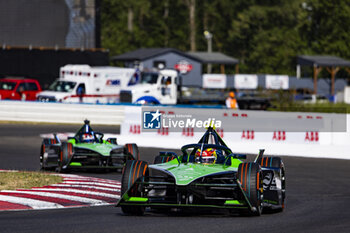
x: 81, y: 92
x: 231, y: 101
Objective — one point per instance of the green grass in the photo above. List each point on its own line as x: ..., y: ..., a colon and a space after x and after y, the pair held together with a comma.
x: 284, y: 106
x: 24, y: 180
x: 283, y: 101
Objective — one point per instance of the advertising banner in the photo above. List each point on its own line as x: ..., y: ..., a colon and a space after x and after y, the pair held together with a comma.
x: 246, y: 81
x: 277, y: 82
x: 214, y: 81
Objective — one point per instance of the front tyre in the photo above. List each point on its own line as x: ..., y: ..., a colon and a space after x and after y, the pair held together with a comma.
x: 134, y: 169
x: 250, y: 176
x: 43, y: 156
x: 279, y: 193
x: 132, y: 150
x: 64, y: 157
x: 44, y: 152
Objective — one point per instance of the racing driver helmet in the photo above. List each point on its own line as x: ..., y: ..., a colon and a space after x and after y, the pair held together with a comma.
x: 208, y: 156
x: 87, y: 134
x: 87, y: 138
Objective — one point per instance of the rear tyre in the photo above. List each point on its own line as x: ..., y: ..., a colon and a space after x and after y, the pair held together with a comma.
x: 276, y: 162
x: 65, y: 156
x: 132, y: 150
x: 133, y: 170
x: 250, y: 176
x: 163, y: 159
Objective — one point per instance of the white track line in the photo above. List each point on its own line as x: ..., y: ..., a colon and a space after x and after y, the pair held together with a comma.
x: 73, y: 177
x: 89, y: 178
x: 85, y: 186
x: 61, y: 196
x: 83, y: 177
x: 35, y: 204
x: 67, y: 175
x: 91, y: 183
x: 92, y: 180
x: 78, y: 191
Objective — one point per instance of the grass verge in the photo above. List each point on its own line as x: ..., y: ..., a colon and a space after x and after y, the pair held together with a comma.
x: 308, y: 107
x: 18, y: 180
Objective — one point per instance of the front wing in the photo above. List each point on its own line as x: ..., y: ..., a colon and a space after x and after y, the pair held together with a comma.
x: 83, y: 159
x: 157, y: 192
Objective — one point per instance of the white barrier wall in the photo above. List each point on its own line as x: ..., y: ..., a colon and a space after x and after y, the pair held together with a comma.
x: 279, y: 133
x: 61, y: 113
x: 294, y: 134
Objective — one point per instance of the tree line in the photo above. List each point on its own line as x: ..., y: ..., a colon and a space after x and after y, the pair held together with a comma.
x: 265, y: 35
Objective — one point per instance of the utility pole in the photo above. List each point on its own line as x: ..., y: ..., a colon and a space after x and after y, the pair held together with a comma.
x: 191, y: 4
x: 209, y: 37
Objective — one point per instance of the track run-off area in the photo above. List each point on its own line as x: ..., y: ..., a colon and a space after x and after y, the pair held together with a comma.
x: 317, y: 196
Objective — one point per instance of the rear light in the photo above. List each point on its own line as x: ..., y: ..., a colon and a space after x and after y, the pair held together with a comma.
x: 71, y: 73
x: 95, y: 75
x: 80, y: 73
x: 88, y: 74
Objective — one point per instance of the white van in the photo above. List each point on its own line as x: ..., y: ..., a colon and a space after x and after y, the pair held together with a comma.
x: 86, y: 84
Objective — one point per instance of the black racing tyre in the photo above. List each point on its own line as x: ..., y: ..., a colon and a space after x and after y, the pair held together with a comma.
x: 43, y: 153
x: 250, y: 177
x: 270, y: 162
x: 65, y: 156
x: 276, y: 162
x: 132, y: 150
x: 163, y: 159
x: 46, y: 143
x: 133, y: 170
x: 49, y: 141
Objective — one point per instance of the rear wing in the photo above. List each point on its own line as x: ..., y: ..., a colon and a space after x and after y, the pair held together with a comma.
x: 66, y: 135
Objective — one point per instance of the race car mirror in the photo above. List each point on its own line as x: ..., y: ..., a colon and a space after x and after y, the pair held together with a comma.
x: 112, y: 141
x: 239, y: 156
x: 228, y: 158
x: 72, y: 138
x: 99, y: 136
x: 169, y: 153
x: 260, y: 155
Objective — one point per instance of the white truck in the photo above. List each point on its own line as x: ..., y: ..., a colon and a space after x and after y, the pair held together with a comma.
x: 153, y: 88
x: 165, y: 87
x: 86, y: 84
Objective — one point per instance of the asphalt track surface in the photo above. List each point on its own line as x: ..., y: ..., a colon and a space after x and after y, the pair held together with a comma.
x: 318, y: 197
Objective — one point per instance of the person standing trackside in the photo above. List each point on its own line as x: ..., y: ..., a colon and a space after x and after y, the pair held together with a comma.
x: 231, y: 101
x: 81, y: 92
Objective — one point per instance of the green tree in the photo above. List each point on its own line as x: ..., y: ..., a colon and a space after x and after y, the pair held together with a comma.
x: 266, y: 37
x: 329, y: 27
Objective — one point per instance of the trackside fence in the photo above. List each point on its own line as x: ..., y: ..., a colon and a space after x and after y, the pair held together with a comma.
x: 279, y: 133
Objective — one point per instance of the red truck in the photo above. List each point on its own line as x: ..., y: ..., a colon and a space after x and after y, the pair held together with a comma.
x: 19, y: 89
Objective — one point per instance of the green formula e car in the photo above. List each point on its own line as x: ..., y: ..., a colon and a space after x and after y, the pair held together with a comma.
x: 206, y: 175
x: 87, y: 150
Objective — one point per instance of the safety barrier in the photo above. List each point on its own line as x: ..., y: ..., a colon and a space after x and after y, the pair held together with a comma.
x: 61, y: 113
x: 280, y: 133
